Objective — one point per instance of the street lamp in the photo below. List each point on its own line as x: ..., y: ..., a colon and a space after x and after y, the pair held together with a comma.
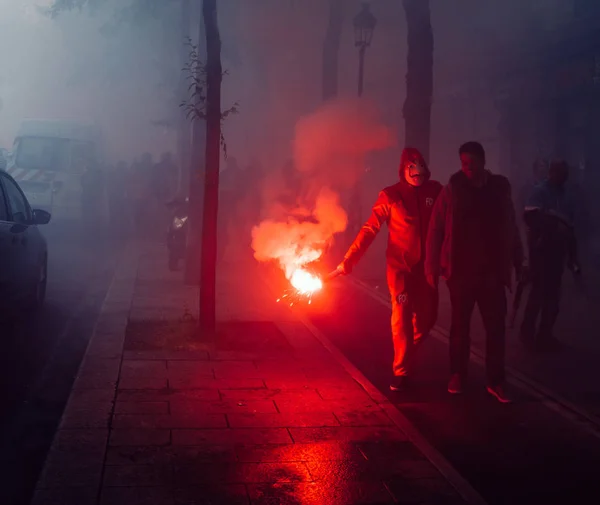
x: 364, y: 26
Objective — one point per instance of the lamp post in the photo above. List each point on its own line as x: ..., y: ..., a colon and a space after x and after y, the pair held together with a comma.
x: 364, y: 26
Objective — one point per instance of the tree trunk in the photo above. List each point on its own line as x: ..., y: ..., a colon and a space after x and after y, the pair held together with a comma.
x: 419, y: 76
x: 331, y: 49
x: 196, y: 177
x: 214, y: 75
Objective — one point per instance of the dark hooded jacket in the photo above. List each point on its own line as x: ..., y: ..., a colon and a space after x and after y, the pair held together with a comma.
x: 448, y: 245
x: 406, y: 209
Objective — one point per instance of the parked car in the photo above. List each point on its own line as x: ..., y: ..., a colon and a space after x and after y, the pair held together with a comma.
x: 23, y: 251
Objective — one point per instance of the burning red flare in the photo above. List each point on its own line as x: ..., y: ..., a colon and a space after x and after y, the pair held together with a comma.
x: 304, y: 285
x: 330, y: 146
x: 296, y: 243
x: 305, y: 282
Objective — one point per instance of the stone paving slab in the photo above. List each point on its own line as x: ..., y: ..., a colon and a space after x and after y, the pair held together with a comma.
x: 264, y: 414
x: 66, y: 496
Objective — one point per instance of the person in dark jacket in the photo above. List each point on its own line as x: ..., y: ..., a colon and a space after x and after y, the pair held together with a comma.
x: 539, y: 172
x: 474, y: 243
x: 549, y: 216
x: 406, y: 208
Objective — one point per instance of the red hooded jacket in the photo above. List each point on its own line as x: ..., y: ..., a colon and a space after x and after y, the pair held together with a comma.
x: 406, y: 209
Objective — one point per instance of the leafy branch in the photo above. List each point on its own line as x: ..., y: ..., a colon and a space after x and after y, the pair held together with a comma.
x: 195, y: 105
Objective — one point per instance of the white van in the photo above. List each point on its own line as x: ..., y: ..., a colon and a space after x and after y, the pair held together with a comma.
x: 48, y: 160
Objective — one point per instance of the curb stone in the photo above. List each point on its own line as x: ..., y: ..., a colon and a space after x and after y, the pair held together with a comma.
x: 72, y: 472
x: 454, y: 478
x: 74, y: 467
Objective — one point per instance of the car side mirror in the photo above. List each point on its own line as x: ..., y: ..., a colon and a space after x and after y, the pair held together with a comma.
x: 41, y: 216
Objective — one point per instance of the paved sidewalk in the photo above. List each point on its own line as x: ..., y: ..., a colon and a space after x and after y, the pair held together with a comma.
x: 269, y: 412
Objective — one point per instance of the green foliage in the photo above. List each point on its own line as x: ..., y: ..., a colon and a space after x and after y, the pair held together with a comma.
x: 136, y: 11
x: 139, y: 13
x: 60, y: 6
x: 151, y: 27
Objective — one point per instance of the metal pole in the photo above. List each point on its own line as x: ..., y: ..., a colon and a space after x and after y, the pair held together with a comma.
x: 355, y: 205
x: 361, y: 68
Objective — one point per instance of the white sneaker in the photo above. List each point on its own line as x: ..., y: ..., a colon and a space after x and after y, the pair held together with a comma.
x: 498, y: 393
x: 455, y: 384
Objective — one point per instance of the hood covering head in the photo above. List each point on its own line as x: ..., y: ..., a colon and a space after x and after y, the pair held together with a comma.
x: 413, y: 169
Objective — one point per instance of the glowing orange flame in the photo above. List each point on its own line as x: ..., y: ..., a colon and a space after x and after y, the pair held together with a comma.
x: 297, y: 243
x: 305, y: 282
x: 329, y: 146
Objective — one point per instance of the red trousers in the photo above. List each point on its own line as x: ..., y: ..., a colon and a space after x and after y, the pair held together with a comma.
x: 414, y: 312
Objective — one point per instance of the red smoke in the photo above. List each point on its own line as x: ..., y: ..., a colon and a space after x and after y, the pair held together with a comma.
x: 303, y: 236
x: 330, y: 146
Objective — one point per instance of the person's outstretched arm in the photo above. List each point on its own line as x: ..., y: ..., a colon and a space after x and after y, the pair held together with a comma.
x: 379, y: 215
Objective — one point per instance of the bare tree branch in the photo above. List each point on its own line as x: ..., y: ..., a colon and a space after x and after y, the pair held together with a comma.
x: 195, y: 105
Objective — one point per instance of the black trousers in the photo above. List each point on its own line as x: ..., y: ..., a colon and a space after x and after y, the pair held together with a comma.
x: 490, y: 296
x: 543, y: 302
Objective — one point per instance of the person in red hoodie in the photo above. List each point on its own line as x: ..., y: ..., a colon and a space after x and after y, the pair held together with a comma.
x: 406, y: 208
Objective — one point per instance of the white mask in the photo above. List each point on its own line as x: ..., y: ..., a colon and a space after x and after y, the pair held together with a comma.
x: 415, y: 173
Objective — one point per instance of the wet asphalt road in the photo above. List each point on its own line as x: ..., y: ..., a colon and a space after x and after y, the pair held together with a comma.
x: 40, y: 355
x: 519, y: 454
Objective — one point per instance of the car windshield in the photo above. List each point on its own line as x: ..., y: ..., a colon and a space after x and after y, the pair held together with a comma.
x: 42, y: 153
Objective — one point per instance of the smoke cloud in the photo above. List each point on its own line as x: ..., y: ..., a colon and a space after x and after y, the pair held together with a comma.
x: 330, y: 147
x: 303, y: 236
